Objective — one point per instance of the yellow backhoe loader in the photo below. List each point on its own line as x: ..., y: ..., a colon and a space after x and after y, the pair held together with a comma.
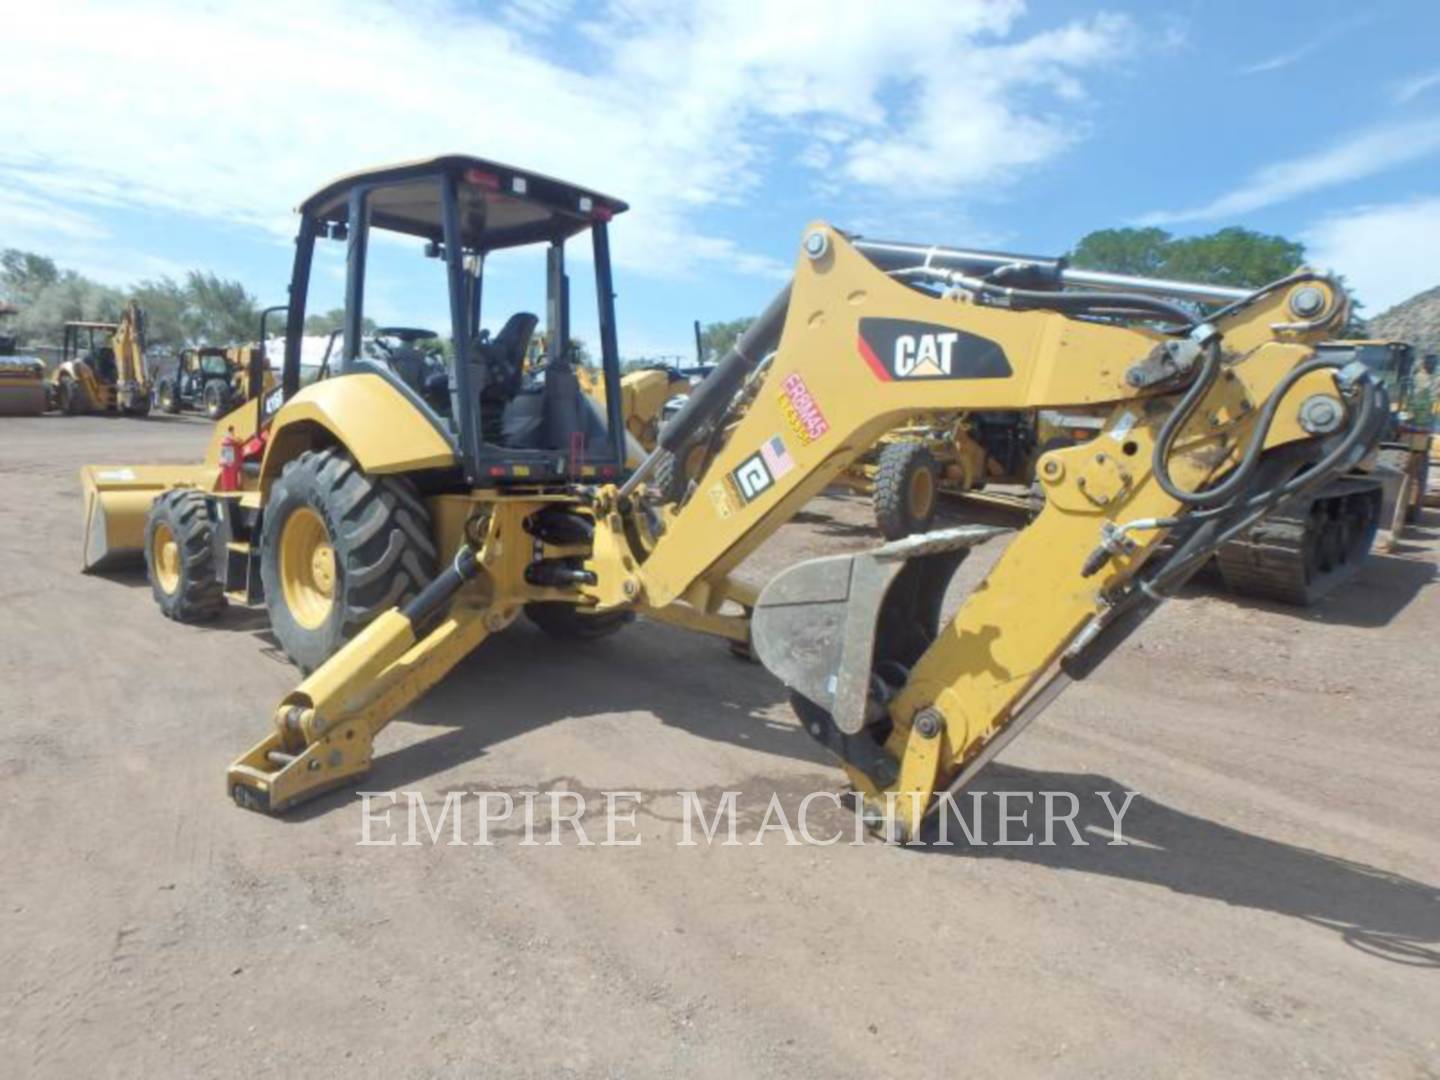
x: 389, y: 532
x: 102, y: 367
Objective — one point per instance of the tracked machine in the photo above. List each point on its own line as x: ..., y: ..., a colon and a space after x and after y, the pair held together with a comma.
x: 1311, y: 544
x: 390, y: 530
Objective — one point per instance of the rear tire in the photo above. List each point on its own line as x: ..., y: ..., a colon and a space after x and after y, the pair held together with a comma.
x: 565, y: 622
x: 166, y: 397
x: 907, y: 486
x: 338, y: 548
x: 180, y: 558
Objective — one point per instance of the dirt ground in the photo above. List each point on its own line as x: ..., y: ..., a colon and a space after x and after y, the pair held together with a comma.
x: 1277, y: 912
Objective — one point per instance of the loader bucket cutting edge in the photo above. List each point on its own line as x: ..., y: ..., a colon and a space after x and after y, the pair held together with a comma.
x: 117, y: 501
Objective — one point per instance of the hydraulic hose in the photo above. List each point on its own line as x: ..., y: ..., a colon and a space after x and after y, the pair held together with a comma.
x: 1111, y: 304
x: 1131, y: 305
x: 1256, y: 507
x: 1226, y: 490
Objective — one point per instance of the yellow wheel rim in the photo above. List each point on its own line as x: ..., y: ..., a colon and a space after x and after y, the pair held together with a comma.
x: 922, y: 494
x: 165, y: 558
x: 307, y: 568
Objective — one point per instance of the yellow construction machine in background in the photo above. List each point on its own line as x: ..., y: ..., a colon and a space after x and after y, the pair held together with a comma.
x: 22, y: 378
x: 210, y: 378
x: 102, y: 367
x: 986, y: 457
x: 389, y: 532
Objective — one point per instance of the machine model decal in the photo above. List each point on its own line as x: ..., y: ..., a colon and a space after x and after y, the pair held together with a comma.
x: 901, y: 349
x: 752, y: 477
x: 801, y: 410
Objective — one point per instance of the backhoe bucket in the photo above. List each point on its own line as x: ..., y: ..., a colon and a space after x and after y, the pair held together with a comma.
x: 117, y: 500
x: 828, y: 627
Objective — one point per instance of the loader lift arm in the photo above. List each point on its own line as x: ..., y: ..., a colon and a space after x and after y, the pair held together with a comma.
x: 1211, y: 423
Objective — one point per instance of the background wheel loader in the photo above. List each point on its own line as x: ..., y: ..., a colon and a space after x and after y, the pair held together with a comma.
x: 389, y: 531
x: 102, y: 367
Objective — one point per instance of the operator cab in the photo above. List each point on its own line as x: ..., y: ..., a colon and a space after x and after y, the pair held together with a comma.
x: 89, y: 342
x: 501, y: 386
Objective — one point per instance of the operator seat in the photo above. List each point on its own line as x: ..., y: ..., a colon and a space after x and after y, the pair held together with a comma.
x: 408, y: 362
x: 105, y: 367
x: 500, y: 364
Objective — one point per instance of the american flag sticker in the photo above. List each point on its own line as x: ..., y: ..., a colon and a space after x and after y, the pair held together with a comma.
x: 777, y: 457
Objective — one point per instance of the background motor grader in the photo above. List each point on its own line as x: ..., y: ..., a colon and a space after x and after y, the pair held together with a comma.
x: 390, y: 529
x: 102, y: 367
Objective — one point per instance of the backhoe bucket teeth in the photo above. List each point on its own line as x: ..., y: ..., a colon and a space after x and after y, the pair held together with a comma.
x: 117, y: 500
x: 828, y: 627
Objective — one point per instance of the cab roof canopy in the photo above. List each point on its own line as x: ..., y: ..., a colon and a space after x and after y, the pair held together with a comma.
x: 500, y: 206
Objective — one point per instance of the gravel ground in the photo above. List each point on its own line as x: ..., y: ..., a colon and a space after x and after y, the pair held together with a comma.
x: 1275, y: 913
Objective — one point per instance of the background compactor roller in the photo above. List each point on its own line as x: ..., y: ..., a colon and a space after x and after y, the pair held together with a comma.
x: 389, y: 528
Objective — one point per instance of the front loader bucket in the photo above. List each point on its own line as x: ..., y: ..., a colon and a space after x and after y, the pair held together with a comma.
x: 117, y: 500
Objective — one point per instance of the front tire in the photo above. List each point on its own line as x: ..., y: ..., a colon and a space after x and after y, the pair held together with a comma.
x: 907, y: 487
x: 180, y: 559
x: 338, y: 548
x: 166, y: 397
x: 217, y: 397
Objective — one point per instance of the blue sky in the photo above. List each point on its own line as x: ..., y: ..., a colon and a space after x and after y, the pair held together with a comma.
x: 181, y: 135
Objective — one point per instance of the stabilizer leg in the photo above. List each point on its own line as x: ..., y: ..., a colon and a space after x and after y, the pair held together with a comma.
x: 325, y: 728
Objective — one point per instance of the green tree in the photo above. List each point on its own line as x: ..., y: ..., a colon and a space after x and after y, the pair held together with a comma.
x: 166, y: 308
x: 327, y: 322
x: 24, y: 274
x: 717, y: 338
x: 1232, y: 256
x: 218, y: 310
x: 69, y: 298
x: 1123, y: 251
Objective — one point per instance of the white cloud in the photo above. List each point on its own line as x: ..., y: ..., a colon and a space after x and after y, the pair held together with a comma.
x: 1387, y: 253
x: 1362, y: 155
x: 24, y: 215
x: 1407, y: 90
x: 236, y: 111
x: 1283, y: 59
